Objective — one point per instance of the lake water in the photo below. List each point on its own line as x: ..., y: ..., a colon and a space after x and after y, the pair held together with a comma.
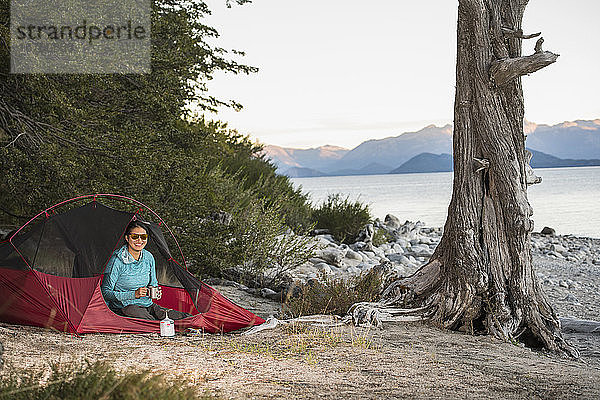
x: 566, y: 200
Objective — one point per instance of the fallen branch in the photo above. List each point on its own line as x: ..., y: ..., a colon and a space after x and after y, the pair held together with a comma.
x: 573, y: 325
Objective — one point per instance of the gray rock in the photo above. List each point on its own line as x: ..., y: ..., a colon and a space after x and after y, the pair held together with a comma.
x: 332, y: 256
x: 323, y: 267
x: 392, y: 221
x: 558, y: 248
x: 270, y: 294
x: 425, y: 240
x: 400, y: 270
x: 571, y: 299
x: 353, y: 255
x: 397, y: 248
x: 405, y: 261
x: 357, y: 246
x: 353, y: 270
x: 572, y: 284
x: 548, y: 231
x: 378, y: 252
x: 369, y: 254
x: 329, y: 238
x: 396, y: 258
x: 365, y: 266
x: 403, y: 242
x: 366, y: 235
x: 365, y: 257
x: 420, y: 251
x: 336, y: 270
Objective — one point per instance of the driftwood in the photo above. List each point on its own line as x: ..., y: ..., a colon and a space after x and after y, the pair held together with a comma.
x: 584, y: 326
x: 318, y: 320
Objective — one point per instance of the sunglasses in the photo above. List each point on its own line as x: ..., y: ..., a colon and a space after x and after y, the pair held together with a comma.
x: 136, y: 236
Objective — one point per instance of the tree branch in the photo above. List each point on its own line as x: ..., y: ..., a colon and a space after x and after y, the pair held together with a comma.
x: 504, y: 70
x: 531, y: 177
x: 508, y: 32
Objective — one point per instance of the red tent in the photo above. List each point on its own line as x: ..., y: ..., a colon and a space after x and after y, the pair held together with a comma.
x: 52, y: 267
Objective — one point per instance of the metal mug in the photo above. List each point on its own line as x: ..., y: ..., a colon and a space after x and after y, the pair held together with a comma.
x: 153, y: 292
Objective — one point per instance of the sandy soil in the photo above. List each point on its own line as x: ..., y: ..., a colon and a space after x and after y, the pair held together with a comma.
x: 403, y: 360
x: 412, y: 360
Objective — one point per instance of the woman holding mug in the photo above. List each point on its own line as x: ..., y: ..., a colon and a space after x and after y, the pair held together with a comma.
x: 129, y: 272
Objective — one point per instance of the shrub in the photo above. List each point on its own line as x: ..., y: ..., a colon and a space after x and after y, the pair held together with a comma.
x: 380, y: 237
x: 252, y: 249
x: 94, y: 381
x: 334, y: 295
x: 342, y: 217
x: 201, y: 169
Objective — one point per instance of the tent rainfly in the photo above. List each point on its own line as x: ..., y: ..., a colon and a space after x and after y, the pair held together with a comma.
x: 52, y: 267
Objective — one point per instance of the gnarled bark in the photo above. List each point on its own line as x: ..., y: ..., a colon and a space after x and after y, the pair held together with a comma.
x: 480, y: 279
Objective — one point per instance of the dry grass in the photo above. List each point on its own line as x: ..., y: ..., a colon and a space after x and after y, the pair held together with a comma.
x: 331, y: 295
x: 299, y: 341
x: 97, y: 380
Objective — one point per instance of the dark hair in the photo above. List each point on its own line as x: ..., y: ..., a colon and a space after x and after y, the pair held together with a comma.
x: 136, y: 224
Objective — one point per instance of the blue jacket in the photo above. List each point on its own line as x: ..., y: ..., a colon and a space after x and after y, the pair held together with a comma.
x: 124, y: 275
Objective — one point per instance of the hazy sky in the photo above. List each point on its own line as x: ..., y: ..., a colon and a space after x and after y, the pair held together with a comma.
x: 344, y: 71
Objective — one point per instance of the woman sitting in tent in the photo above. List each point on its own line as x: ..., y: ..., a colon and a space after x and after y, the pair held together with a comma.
x: 130, y: 270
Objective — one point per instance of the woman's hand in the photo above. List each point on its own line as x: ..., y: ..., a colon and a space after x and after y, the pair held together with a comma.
x: 141, y: 292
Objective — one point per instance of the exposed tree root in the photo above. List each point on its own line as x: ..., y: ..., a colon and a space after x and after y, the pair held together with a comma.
x: 427, y: 296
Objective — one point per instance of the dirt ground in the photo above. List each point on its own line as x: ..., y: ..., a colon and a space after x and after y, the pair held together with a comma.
x: 403, y: 360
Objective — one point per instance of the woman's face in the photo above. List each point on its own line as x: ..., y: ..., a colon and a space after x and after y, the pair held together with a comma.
x: 137, y: 238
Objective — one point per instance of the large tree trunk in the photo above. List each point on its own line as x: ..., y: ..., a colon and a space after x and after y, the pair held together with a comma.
x: 480, y: 278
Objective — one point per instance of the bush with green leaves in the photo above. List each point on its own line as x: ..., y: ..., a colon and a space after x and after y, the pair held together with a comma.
x: 381, y: 236
x: 63, y: 135
x: 93, y: 381
x: 330, y: 295
x: 253, y: 248
x: 343, y: 218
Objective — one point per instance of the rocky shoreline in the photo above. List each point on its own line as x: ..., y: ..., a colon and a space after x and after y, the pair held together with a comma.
x: 568, y: 267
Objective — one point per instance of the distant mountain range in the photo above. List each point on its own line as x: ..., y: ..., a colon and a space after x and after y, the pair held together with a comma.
x: 426, y: 162
x: 567, y: 144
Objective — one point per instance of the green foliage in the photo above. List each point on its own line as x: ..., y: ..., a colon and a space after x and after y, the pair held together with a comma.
x: 138, y: 135
x: 251, y: 249
x: 334, y: 295
x: 380, y: 237
x: 342, y: 217
x: 94, y: 381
